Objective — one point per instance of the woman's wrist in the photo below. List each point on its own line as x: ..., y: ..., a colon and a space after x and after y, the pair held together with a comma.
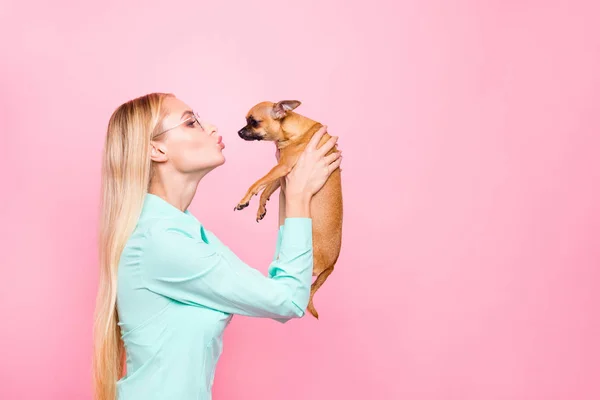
x: 297, y: 205
x: 282, y: 201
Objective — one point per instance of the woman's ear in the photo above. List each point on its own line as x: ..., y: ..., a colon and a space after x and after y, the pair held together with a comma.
x: 157, y: 152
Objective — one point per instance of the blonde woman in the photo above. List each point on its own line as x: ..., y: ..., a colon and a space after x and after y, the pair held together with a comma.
x: 168, y: 285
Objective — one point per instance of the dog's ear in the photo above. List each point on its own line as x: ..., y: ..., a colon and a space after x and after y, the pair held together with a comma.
x: 281, y: 109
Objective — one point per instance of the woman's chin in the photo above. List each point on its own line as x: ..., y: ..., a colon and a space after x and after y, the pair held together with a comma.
x: 218, y: 162
x: 214, y: 163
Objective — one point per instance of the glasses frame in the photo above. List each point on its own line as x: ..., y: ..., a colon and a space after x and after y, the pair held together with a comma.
x: 194, y: 116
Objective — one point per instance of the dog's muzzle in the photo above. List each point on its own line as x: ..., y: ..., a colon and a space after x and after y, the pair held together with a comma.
x: 244, y: 134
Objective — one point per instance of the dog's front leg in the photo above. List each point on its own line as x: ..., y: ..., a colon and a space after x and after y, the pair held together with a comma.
x: 264, y: 197
x: 274, y: 174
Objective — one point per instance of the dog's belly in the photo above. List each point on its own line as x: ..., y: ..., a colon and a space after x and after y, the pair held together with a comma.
x: 327, y: 214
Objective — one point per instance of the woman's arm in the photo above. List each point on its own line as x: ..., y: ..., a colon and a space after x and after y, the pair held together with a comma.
x: 281, y: 193
x: 282, y: 202
x: 190, y: 271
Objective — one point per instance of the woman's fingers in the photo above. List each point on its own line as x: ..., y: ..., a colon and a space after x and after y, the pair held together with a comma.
x: 334, y: 165
x: 328, y: 145
x: 314, y: 140
x: 332, y: 157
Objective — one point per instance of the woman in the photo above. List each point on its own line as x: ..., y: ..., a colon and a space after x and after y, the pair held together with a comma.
x: 168, y: 285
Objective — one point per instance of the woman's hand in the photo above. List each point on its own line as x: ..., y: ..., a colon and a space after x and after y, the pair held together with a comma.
x: 313, y: 167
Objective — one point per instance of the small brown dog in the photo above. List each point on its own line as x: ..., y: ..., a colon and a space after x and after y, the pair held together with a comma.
x: 292, y: 132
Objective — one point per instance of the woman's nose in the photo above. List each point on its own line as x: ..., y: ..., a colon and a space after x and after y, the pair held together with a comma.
x: 212, y: 129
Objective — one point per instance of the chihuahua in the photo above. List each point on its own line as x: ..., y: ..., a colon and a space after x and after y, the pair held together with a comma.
x: 291, y: 132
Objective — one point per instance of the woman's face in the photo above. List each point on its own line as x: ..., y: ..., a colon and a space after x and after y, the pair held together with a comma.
x: 187, y: 145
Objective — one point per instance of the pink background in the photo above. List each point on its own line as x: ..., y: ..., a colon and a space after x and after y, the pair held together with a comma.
x: 469, y: 267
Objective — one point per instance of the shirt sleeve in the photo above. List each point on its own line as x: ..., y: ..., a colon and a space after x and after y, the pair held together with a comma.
x: 278, y: 243
x: 193, y: 272
x: 236, y: 260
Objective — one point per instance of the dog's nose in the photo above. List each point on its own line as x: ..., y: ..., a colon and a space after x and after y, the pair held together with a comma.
x: 241, y: 132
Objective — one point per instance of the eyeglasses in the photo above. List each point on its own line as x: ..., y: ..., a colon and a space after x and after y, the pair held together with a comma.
x: 194, y: 116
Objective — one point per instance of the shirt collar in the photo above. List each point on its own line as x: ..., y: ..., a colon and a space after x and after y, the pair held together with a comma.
x: 155, y: 205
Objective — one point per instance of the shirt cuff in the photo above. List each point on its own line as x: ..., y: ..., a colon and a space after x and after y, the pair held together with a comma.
x: 297, y: 232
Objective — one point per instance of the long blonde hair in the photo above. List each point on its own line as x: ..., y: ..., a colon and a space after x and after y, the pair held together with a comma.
x: 126, y: 175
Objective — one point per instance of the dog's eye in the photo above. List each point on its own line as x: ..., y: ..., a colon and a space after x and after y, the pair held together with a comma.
x: 252, y: 122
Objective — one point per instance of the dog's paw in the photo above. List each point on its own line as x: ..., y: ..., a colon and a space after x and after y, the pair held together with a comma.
x: 261, y: 213
x: 241, y: 206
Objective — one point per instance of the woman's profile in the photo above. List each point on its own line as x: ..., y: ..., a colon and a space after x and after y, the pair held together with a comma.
x: 168, y: 286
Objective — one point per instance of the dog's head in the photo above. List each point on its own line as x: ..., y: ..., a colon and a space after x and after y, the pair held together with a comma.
x: 264, y: 120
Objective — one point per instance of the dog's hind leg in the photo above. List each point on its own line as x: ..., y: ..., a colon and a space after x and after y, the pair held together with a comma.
x: 314, y: 287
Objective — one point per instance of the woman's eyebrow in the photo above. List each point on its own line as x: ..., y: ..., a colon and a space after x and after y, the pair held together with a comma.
x: 186, y: 112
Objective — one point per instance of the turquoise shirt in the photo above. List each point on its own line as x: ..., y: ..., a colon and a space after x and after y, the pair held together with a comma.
x: 178, y: 288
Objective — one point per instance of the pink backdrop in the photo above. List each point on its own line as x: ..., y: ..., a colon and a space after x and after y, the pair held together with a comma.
x: 470, y: 130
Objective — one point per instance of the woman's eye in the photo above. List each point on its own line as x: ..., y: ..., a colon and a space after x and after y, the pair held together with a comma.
x: 191, y: 123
